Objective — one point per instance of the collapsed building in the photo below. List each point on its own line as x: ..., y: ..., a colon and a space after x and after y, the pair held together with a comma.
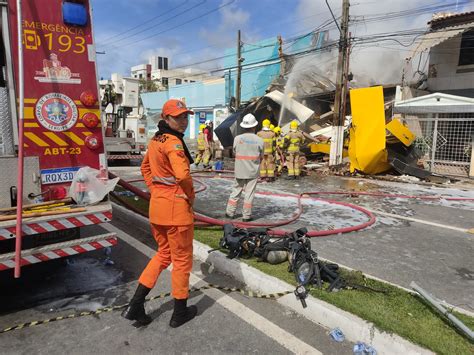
x: 437, y: 109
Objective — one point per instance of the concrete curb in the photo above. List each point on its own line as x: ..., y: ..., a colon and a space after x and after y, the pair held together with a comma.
x: 354, y: 328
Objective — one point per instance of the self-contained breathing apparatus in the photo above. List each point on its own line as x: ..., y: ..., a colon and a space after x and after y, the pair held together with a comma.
x: 294, y: 247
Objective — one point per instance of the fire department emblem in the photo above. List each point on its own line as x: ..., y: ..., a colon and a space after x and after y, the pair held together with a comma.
x: 56, y: 112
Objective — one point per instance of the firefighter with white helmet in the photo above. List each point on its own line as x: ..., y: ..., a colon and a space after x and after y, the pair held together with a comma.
x: 248, y: 149
x: 267, y: 167
x: 203, y: 153
x: 292, y: 143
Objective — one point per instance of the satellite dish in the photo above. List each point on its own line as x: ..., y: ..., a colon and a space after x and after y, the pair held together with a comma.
x: 109, y: 108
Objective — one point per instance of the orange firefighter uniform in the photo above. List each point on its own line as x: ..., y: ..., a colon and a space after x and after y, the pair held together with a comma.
x: 167, y: 175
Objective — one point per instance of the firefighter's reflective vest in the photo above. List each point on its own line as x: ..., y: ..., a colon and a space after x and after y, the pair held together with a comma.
x: 268, y: 141
x: 201, y: 141
x: 293, y: 142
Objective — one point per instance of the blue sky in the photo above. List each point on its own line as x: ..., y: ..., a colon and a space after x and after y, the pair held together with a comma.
x: 208, y: 36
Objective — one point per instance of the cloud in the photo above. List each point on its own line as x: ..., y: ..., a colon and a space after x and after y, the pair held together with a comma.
x: 380, y: 62
x: 232, y: 18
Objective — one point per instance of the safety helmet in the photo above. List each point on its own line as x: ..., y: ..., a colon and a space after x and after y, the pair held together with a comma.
x: 266, y: 123
x: 201, y: 127
x: 294, y: 124
x: 272, y: 127
x: 248, y: 121
x: 277, y: 130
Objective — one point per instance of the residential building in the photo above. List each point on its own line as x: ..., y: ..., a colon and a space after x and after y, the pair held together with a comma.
x: 450, y: 42
x: 158, y: 71
x: 442, y: 117
x: 141, y: 71
x: 206, y: 99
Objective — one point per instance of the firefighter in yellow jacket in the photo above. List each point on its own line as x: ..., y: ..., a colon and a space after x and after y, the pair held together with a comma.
x: 267, y: 166
x: 278, y: 150
x: 292, y: 143
x: 165, y: 169
x: 204, y: 153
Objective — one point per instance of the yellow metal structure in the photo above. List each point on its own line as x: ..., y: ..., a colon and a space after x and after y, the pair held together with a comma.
x: 325, y: 147
x: 401, y: 132
x: 367, y: 151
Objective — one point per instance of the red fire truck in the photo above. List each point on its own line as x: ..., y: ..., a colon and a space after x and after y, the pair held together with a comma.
x: 49, y: 102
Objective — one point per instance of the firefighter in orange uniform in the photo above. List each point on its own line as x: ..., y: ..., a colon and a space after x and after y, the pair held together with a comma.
x: 166, y: 171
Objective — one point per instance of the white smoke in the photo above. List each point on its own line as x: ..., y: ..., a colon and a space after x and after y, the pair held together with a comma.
x: 380, y: 62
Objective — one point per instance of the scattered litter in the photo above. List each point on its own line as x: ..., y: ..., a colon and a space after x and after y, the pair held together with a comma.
x: 337, y: 335
x: 108, y: 260
x: 407, y: 178
x: 364, y: 349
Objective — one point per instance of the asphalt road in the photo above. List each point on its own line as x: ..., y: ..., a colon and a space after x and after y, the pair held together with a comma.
x: 412, y: 239
x: 226, y: 323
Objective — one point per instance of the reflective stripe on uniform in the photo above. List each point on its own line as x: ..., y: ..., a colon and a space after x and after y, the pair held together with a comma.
x: 168, y: 180
x: 247, y: 157
x: 232, y: 202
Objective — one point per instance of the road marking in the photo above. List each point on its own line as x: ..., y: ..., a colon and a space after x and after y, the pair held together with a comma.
x: 434, y: 224
x: 279, y: 335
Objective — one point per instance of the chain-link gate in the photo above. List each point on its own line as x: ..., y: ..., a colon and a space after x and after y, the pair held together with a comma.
x: 445, y: 140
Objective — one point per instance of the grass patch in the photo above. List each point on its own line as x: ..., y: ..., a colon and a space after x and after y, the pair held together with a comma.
x: 395, y: 312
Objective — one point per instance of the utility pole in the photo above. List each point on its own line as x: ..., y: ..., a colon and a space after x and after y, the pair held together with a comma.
x: 239, y: 71
x: 335, y: 156
x: 281, y: 56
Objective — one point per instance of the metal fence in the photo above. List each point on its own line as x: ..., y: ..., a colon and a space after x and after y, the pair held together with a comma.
x: 445, y: 140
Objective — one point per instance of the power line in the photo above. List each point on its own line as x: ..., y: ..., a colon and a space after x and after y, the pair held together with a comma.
x: 145, y: 22
x: 181, y: 24
x: 333, y: 17
x: 155, y: 25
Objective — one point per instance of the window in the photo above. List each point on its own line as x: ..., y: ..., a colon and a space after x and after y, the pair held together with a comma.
x: 160, y: 63
x: 165, y: 63
x: 164, y: 81
x: 185, y: 81
x: 192, y: 81
x: 140, y: 75
x: 466, y: 55
x: 178, y: 81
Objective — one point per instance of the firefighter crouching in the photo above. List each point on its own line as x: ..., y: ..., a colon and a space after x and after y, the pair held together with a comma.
x: 292, y: 142
x: 166, y: 171
x: 204, y: 152
x: 267, y: 166
x: 278, y: 151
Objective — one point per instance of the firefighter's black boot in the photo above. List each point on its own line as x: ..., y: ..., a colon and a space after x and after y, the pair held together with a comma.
x: 136, y: 308
x: 182, y: 313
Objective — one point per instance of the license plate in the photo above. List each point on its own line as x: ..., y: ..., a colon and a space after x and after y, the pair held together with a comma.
x: 58, y: 176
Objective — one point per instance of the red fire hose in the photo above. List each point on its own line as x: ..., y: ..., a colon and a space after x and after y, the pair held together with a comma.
x: 206, y: 220
x: 276, y: 232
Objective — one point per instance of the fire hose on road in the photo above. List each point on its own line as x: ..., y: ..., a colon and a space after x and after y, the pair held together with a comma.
x: 207, y: 220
